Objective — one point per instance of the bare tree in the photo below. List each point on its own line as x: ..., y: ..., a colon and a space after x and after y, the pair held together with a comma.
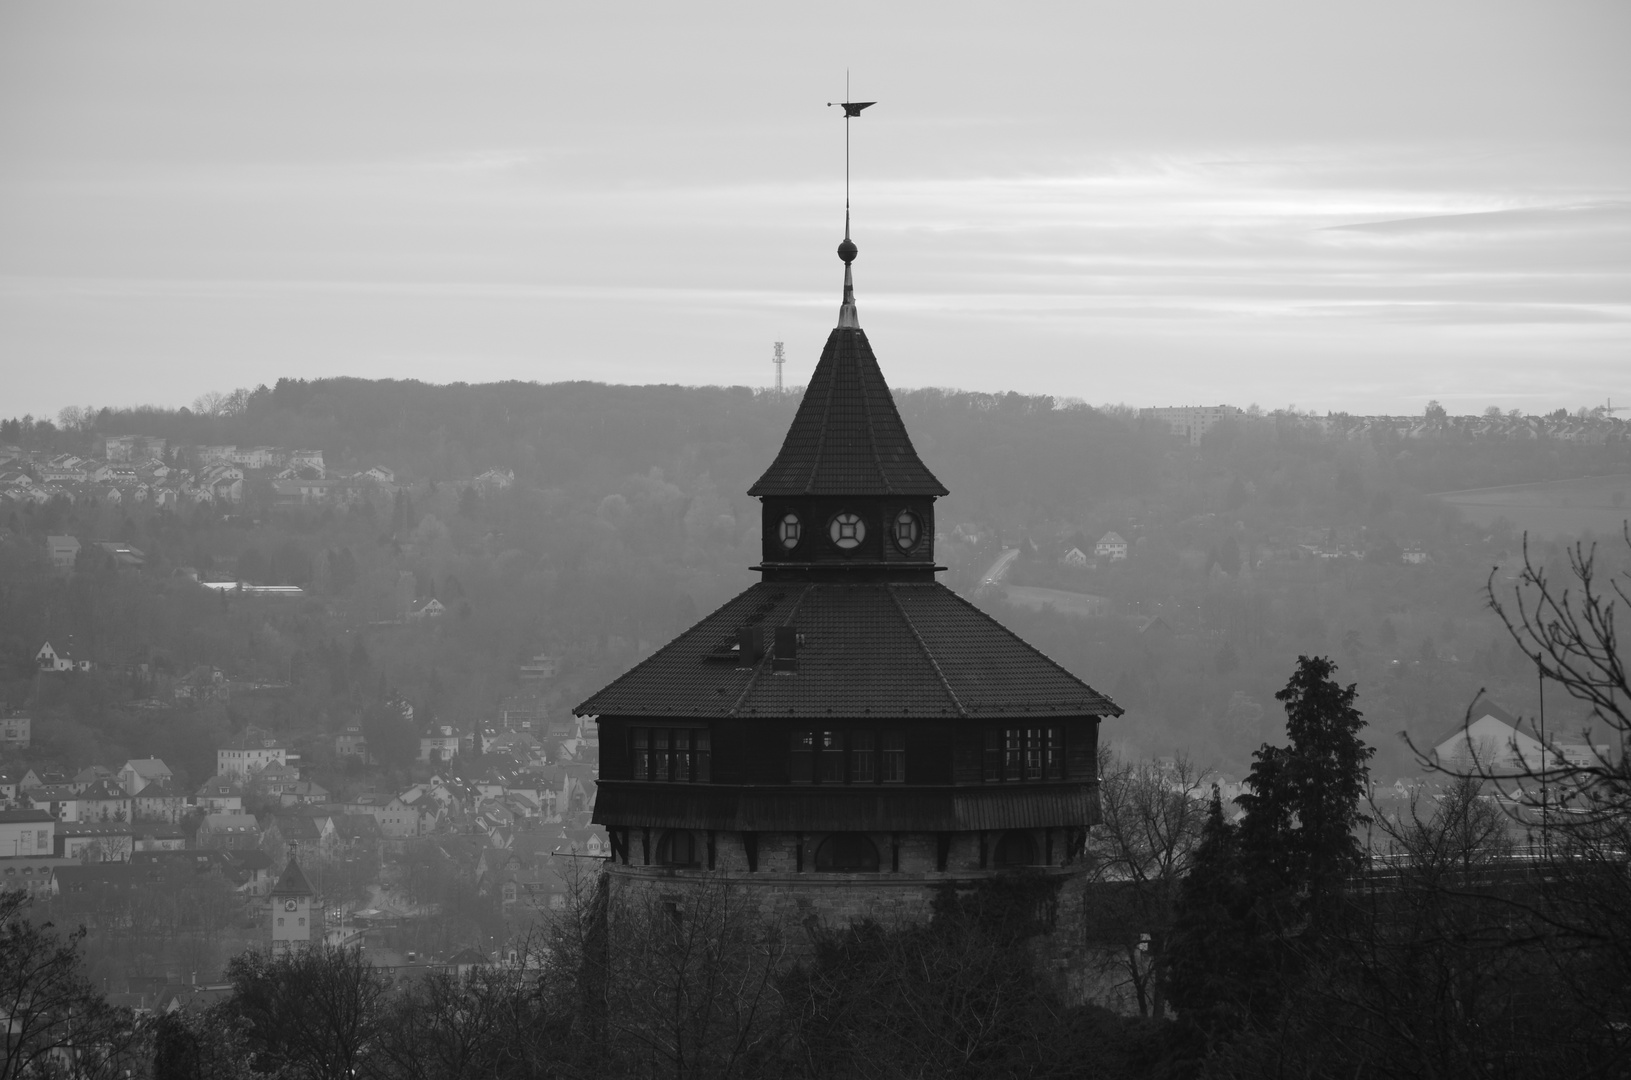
x: 315, y: 1013
x: 57, y: 1023
x: 1151, y: 821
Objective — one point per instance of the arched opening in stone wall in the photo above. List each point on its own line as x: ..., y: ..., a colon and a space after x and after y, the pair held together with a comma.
x: 1016, y: 848
x: 847, y: 852
x: 679, y: 848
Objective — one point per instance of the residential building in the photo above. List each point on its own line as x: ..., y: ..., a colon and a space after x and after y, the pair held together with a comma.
x: 158, y: 802
x: 1110, y: 546
x: 95, y: 841
x: 249, y: 753
x: 63, y: 551
x: 1191, y: 422
x: 1494, y: 739
x: 137, y: 773
x: 104, y: 800
x: 27, y: 832
x: 16, y: 732
x: 49, y: 659
x: 351, y: 744
x: 442, y: 742
x: 222, y: 794
x: 230, y: 831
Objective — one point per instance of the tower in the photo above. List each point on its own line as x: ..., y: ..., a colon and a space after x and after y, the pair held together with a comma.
x: 291, y: 910
x: 778, y: 358
x: 847, y: 734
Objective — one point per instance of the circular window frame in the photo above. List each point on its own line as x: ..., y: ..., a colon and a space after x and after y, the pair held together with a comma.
x: 789, y: 531
x: 907, y: 515
x: 836, y: 523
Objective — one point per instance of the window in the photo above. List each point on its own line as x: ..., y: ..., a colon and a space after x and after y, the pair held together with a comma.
x: 789, y: 530
x: 907, y: 530
x: 1023, y: 754
x: 682, y: 756
x: 832, y: 757
x: 678, y: 848
x: 863, y: 758
x: 846, y: 531
x: 42, y: 840
x: 894, y: 757
x: 702, y: 755
x: 801, y: 758
x: 678, y: 754
x: 847, y: 852
x: 659, y: 754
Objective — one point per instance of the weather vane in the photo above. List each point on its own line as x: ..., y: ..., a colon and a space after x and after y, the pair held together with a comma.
x: 852, y: 109
x: 847, y: 316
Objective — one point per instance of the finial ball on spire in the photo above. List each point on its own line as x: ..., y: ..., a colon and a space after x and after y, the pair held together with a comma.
x: 847, y: 251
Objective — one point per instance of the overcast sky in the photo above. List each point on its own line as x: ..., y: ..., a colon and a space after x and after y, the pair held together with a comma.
x: 1341, y: 206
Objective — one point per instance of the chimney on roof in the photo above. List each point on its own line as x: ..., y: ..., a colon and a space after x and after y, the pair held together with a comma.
x: 750, y: 646
x: 786, y: 657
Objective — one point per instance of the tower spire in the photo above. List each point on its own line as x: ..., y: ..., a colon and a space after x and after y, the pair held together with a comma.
x: 848, y: 319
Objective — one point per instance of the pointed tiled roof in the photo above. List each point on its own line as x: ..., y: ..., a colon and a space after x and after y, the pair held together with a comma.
x: 886, y: 650
x: 847, y: 438
x: 292, y: 882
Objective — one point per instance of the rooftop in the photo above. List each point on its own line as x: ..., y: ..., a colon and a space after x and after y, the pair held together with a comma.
x: 886, y: 649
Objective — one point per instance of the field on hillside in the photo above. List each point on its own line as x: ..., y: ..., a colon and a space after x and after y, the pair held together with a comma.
x: 1551, y: 509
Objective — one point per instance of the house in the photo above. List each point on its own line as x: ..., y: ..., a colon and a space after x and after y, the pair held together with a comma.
x: 34, y: 875
x: 494, y: 480
x: 27, y: 832
x: 250, y: 752
x: 61, y: 801
x: 16, y: 733
x: 466, y: 960
x: 351, y: 744
x: 379, y: 474
x: 158, y: 801
x: 63, y: 551
x: 442, y: 742
x: 302, y: 793
x: 202, y: 684
x: 397, y: 820
x: 1110, y: 546
x: 104, y: 800
x: 1415, y: 556
x: 1492, y: 738
x: 275, y: 779
x: 222, y: 794
x: 540, y: 668
x: 159, y: 837
x: 137, y: 773
x: 235, y: 831
x: 431, y: 609
x: 123, y: 556
x: 311, y: 836
x: 94, y: 841
x: 1074, y: 557
x: 50, y: 660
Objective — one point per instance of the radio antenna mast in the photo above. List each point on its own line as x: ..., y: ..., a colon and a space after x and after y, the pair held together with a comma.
x: 779, y: 359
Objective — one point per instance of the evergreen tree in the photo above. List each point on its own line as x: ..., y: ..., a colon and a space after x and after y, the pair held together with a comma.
x: 1303, y: 806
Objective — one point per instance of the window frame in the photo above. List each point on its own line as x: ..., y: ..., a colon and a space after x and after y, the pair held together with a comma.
x: 670, y: 755
x: 1025, y: 754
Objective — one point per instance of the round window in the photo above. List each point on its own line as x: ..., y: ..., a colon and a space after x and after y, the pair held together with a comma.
x: 847, y: 530
x: 789, y: 530
x: 907, y: 530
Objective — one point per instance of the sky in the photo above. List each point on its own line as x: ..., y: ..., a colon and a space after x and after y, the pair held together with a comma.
x: 1331, y: 206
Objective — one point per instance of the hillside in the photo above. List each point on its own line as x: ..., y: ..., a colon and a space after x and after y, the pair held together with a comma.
x: 590, y: 522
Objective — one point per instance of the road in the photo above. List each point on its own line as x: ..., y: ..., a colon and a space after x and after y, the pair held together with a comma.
x: 999, y: 569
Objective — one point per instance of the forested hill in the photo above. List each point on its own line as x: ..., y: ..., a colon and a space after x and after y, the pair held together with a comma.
x: 621, y: 516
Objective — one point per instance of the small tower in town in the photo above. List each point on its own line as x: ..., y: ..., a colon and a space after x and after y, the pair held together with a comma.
x: 848, y: 736
x: 291, y: 910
